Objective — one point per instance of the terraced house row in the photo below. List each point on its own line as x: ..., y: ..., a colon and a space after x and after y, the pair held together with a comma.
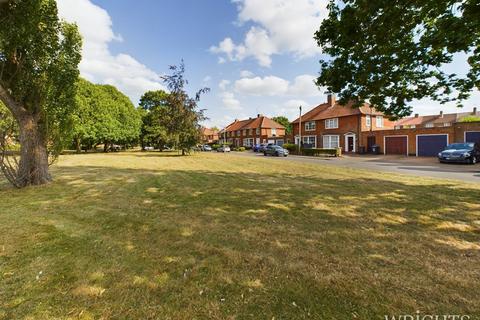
x: 359, y: 130
x: 253, y: 131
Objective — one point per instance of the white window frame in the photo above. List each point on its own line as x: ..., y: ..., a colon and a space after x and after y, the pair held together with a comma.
x: 447, y: 124
x: 368, y: 120
x: 308, y: 138
x: 429, y: 125
x: 398, y: 127
x: 328, y: 145
x: 257, y: 131
x: 274, y: 131
x: 248, y: 142
x: 331, y: 123
x: 379, y: 123
x: 310, y: 126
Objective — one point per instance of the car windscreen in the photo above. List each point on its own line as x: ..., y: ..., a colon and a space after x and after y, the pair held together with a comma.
x: 460, y: 146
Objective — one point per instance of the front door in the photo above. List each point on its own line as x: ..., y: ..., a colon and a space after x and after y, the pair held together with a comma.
x: 370, y: 142
x: 350, y: 144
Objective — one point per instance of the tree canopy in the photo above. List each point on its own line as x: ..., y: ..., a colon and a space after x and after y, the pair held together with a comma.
x: 391, y: 52
x: 39, y: 57
x: 104, y: 115
x: 284, y: 122
x: 154, y: 106
x: 172, y: 118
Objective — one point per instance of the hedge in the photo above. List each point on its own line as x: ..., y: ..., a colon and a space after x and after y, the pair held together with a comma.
x: 315, y: 152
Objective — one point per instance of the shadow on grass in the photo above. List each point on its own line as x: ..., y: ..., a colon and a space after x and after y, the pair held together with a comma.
x: 284, y: 246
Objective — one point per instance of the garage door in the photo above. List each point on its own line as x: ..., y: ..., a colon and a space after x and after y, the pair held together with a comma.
x: 472, y: 136
x: 431, y: 145
x: 396, y: 145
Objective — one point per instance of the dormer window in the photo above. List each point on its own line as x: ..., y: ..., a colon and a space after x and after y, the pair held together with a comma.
x: 447, y: 124
x: 429, y: 125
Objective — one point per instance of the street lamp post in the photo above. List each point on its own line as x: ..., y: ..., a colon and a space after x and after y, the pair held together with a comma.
x: 300, y: 130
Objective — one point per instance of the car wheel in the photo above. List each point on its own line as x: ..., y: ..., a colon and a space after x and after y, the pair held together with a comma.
x: 277, y: 154
x: 473, y: 160
x: 265, y: 154
x: 284, y: 155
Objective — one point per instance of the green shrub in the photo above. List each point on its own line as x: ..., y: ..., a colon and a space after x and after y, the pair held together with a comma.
x: 471, y: 119
x: 215, y: 146
x: 240, y: 149
x: 290, y: 147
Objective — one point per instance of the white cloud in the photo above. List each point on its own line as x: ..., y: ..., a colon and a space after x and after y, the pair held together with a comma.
x: 267, y: 86
x: 282, y: 26
x: 207, y: 79
x: 224, y: 84
x: 98, y: 63
x: 229, y: 101
x: 303, y: 85
x: 246, y: 74
x: 291, y: 108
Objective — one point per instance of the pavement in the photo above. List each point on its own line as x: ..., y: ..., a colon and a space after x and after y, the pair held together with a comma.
x: 417, y: 166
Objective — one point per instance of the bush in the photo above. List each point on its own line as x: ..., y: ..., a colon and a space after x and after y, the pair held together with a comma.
x: 315, y: 152
x: 470, y: 119
x: 215, y: 146
x: 290, y: 147
x: 240, y: 149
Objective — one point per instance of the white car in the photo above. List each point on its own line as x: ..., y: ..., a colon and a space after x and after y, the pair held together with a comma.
x: 223, y: 149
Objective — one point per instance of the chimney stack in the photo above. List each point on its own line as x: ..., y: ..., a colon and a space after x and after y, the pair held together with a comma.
x: 441, y: 114
x: 474, y: 111
x: 259, y: 115
x: 331, y: 99
x: 416, y: 115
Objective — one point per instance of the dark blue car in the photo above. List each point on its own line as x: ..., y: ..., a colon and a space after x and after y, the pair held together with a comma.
x: 461, y: 152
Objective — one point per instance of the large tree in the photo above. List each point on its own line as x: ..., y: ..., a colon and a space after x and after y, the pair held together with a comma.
x: 104, y: 115
x: 182, y: 117
x: 391, y: 52
x: 39, y: 57
x: 153, y: 106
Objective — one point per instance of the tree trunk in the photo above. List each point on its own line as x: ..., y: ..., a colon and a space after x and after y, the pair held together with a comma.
x: 33, y: 164
x: 78, y: 145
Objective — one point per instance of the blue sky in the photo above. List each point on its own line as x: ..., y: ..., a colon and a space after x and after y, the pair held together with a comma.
x: 257, y: 56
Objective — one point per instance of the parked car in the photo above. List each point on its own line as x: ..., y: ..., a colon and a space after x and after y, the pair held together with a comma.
x: 260, y: 147
x: 223, y: 149
x: 461, y: 152
x: 274, y: 150
x: 206, y: 147
x: 116, y: 147
x: 148, y: 148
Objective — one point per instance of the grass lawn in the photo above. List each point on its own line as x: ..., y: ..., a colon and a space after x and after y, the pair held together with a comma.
x: 213, y: 236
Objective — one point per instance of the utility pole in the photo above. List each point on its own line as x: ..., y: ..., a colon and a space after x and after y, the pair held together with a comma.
x: 300, y: 131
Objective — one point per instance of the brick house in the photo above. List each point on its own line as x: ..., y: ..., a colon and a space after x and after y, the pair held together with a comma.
x: 209, y: 135
x: 332, y: 125
x: 426, y: 135
x: 253, y: 131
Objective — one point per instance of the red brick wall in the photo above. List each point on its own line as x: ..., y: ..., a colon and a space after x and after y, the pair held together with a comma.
x: 456, y: 133
x: 345, y: 125
x: 410, y: 133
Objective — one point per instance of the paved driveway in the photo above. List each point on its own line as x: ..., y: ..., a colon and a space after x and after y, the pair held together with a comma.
x: 425, y: 167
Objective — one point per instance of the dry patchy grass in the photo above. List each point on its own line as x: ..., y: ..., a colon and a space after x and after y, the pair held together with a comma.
x: 213, y: 236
